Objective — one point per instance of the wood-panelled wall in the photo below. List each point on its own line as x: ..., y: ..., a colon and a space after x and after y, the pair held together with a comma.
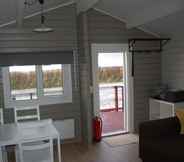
x: 173, y: 64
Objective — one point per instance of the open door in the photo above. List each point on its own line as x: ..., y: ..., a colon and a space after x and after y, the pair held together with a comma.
x: 112, y: 87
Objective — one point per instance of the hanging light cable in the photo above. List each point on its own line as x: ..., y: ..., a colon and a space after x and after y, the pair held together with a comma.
x: 43, y: 28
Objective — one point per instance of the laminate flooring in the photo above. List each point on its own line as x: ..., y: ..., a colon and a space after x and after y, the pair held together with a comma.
x: 98, y: 152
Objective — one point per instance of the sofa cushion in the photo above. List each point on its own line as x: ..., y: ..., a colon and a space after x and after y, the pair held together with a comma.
x: 180, y: 115
x: 170, y: 148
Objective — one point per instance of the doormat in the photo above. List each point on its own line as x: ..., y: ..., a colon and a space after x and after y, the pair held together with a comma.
x: 121, y: 140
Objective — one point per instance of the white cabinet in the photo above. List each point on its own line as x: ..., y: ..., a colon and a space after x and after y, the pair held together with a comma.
x: 159, y: 109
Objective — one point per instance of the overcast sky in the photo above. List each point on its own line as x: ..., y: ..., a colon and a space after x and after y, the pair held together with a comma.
x: 110, y: 59
x: 29, y: 68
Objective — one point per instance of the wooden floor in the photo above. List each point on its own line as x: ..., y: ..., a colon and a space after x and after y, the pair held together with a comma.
x: 100, y: 152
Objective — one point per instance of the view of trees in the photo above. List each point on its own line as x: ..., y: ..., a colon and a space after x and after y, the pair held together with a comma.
x: 110, y: 74
x: 53, y: 78
x: 21, y: 80
x: 27, y: 80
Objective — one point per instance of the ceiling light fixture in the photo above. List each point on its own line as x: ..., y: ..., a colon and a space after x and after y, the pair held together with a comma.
x: 43, y: 28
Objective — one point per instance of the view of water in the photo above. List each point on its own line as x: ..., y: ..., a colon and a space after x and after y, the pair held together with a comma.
x: 107, y: 97
x: 29, y: 94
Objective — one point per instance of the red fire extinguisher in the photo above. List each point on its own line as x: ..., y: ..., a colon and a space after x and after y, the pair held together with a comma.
x: 97, y: 128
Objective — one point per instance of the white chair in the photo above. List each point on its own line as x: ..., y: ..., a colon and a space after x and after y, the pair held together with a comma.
x: 3, y: 153
x: 1, y: 117
x: 22, y: 114
x: 34, y: 151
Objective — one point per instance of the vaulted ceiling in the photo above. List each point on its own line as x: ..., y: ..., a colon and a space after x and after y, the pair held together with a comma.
x: 170, y: 26
x: 163, y: 17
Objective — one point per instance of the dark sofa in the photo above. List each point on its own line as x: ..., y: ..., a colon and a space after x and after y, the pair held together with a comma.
x: 161, y: 141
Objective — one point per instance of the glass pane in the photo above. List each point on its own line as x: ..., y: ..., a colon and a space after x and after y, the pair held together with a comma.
x: 110, y: 77
x: 53, y: 79
x: 110, y: 68
x: 23, y: 82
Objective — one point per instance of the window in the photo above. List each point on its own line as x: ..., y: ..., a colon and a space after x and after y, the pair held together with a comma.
x: 23, y: 82
x: 52, y: 79
x: 37, y: 84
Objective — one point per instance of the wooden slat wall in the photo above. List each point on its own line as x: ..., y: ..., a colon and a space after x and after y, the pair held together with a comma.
x: 173, y: 64
x: 105, y: 29
x: 64, y: 37
x: 147, y: 76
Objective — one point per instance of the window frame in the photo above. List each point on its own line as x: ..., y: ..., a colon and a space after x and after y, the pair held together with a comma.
x: 42, y: 99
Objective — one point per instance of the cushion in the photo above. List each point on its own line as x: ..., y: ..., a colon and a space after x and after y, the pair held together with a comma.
x: 180, y: 115
x: 166, y: 148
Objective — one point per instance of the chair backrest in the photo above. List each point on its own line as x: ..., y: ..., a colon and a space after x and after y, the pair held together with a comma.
x: 37, y: 151
x: 26, y: 113
x: 1, y: 116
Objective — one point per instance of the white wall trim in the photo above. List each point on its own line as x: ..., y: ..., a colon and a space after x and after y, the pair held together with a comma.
x: 130, y: 97
x: 108, y: 14
x: 95, y: 49
x: 125, y: 21
x: 8, y: 23
x: 38, y: 13
x: 149, y: 32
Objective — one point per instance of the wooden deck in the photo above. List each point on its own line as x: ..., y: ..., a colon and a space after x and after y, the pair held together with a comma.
x: 113, y: 121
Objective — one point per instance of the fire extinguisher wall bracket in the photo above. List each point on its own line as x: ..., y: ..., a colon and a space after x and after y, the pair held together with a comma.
x: 97, y: 128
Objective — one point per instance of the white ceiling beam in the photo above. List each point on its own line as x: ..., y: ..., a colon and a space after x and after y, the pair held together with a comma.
x: 155, y: 12
x: 84, y: 5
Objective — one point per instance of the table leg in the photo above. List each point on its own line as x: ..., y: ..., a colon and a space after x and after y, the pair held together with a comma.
x: 5, y: 155
x: 17, y: 153
x: 59, y: 149
x: 1, y: 154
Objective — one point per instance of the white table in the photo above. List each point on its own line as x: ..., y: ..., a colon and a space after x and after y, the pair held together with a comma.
x: 13, y: 134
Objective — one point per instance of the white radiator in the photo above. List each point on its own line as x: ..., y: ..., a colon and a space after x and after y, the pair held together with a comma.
x: 66, y: 128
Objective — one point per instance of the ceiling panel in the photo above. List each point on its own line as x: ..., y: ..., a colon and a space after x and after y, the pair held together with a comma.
x: 172, y: 25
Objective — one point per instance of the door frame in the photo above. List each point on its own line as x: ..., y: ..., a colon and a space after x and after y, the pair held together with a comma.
x: 129, y: 100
